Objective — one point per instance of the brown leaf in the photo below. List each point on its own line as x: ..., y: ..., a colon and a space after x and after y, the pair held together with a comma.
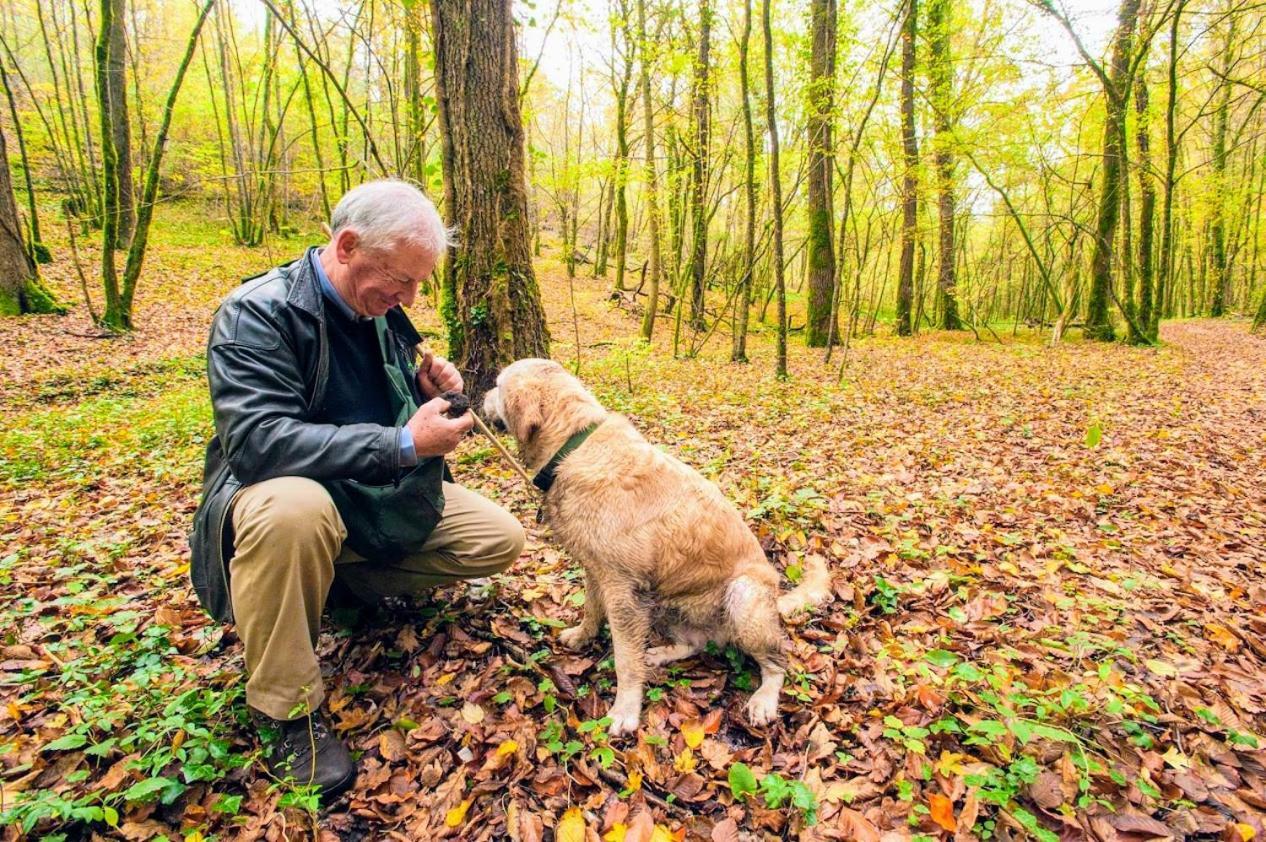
x: 1047, y: 790
x: 391, y: 745
x: 725, y: 831
x: 856, y: 826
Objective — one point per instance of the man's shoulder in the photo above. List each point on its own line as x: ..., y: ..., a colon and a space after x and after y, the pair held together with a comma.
x: 250, y: 313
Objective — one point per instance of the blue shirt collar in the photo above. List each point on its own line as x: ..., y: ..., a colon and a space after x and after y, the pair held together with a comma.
x: 328, y: 290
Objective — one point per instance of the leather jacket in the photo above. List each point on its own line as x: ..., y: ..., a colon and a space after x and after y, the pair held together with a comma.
x: 268, y: 366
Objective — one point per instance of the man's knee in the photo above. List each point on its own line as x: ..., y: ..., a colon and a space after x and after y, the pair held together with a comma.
x: 507, y: 547
x: 289, y: 510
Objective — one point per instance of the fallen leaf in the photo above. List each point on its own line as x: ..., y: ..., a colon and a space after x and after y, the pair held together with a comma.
x: 941, y: 810
x: 572, y: 827
x: 692, y: 730
x: 457, y: 815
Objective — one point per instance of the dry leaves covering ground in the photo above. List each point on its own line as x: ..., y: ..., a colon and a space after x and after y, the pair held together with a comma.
x: 1049, y: 614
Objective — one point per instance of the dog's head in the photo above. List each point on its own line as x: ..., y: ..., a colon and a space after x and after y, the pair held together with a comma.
x: 540, y: 404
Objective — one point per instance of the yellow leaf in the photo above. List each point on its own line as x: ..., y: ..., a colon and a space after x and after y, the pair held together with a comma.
x: 571, y: 828
x: 635, y: 780
x: 1223, y: 637
x: 1161, y: 668
x: 661, y: 834
x: 195, y: 836
x: 685, y: 761
x: 508, y: 747
x: 1104, y: 488
x: 444, y: 679
x: 942, y: 811
x: 950, y: 764
x: 616, y: 833
x: 692, y: 730
x: 1247, y: 831
x: 1176, y: 758
x: 457, y: 815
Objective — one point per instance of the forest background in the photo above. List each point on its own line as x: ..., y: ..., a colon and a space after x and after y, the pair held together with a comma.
x: 996, y: 267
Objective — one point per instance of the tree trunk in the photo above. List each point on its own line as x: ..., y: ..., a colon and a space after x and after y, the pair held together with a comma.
x: 652, y: 188
x: 622, y: 144
x: 494, y: 313
x: 20, y: 287
x: 119, y: 122
x: 115, y: 317
x: 1217, y: 233
x: 743, y: 303
x: 1098, y: 318
x: 941, y: 73
x: 1147, y: 214
x: 1164, y: 278
x: 699, y: 171
x: 821, y: 246
x: 910, y: 181
x: 775, y: 184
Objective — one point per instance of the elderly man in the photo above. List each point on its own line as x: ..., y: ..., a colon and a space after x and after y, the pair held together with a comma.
x: 327, y: 464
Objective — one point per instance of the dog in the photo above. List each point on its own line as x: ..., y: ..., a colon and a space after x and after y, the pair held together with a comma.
x: 660, y: 546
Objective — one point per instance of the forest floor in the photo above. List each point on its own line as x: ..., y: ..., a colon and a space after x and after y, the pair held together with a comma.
x: 1050, y: 612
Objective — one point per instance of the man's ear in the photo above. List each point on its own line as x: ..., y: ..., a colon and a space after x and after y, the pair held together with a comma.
x: 345, y: 243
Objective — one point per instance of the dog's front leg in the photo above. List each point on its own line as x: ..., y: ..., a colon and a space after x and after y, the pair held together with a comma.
x: 578, y: 636
x: 630, y: 621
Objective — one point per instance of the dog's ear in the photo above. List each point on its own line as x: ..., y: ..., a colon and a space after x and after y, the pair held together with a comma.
x: 524, y: 411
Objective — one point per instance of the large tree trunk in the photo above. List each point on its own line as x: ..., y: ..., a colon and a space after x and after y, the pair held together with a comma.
x: 20, y: 287
x: 821, y: 245
x: 652, y: 187
x: 775, y: 184
x: 743, y: 304
x: 1098, y: 319
x: 494, y: 310
x: 621, y: 175
x: 119, y: 123
x: 699, y: 171
x: 116, y: 317
x: 1147, y: 216
x: 910, y: 181
x: 1164, y: 277
x: 1217, y: 228
x: 941, y: 73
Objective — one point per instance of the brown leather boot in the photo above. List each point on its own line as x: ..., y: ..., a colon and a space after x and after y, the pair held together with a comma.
x: 305, y: 751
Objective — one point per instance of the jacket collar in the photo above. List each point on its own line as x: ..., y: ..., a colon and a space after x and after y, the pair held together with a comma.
x: 544, y: 478
x: 305, y: 294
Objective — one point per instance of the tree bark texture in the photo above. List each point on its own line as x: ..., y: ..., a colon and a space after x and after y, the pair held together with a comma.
x: 821, y: 245
x: 493, y: 311
x: 910, y: 180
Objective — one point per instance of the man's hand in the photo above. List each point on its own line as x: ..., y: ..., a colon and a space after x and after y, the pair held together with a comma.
x: 434, y: 433
x: 437, y: 375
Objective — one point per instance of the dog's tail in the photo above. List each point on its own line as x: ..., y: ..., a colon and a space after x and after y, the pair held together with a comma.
x: 813, y: 590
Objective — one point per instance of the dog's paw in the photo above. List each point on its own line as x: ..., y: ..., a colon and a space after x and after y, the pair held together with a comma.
x: 657, y: 656
x: 624, y: 719
x: 762, y: 708
x: 575, y: 638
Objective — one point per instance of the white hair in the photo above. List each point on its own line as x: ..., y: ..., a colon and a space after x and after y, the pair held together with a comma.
x: 388, y: 212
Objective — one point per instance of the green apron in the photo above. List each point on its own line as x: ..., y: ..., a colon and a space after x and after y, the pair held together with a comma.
x: 386, y: 523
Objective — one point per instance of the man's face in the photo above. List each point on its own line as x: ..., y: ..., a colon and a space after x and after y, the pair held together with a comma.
x: 380, y: 280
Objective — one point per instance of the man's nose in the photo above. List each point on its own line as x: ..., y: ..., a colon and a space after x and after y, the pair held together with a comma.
x: 410, y: 293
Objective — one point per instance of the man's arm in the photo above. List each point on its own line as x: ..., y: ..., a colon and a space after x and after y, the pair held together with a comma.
x: 259, y: 400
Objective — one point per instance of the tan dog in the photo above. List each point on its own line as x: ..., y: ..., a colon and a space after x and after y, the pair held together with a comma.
x: 660, y: 546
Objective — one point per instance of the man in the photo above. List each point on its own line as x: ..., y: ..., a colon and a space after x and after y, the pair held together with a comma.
x: 327, y: 463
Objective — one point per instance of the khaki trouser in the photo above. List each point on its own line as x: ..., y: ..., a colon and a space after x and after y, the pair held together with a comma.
x: 289, y: 549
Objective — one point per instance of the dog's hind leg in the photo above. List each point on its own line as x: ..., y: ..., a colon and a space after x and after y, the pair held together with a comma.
x: 753, y: 614
x: 578, y: 636
x: 630, y: 620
